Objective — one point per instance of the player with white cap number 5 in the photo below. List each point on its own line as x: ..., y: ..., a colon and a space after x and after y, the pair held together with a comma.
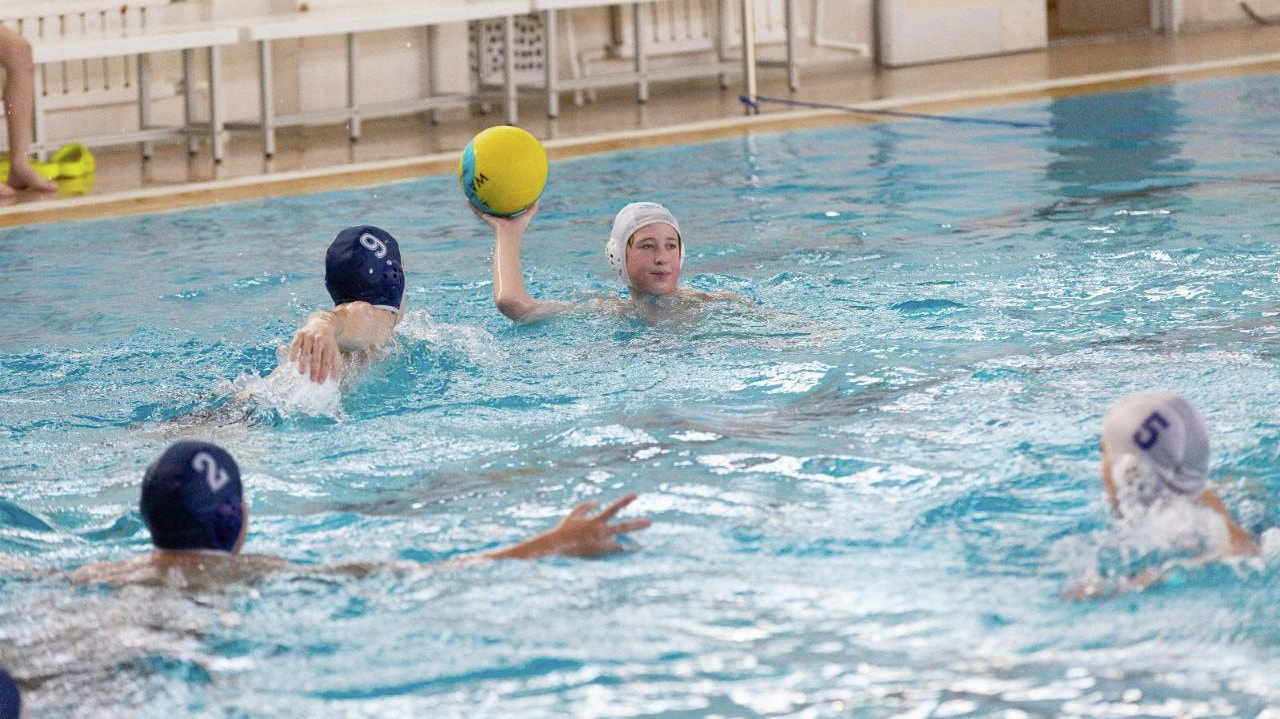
x: 1155, y: 455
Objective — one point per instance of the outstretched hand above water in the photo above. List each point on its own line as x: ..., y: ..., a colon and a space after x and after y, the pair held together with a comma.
x: 579, y: 534
x: 315, y: 348
x: 318, y: 346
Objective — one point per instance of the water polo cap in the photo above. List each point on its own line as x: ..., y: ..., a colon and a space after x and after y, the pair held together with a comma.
x: 192, y: 498
x: 1166, y: 433
x: 629, y: 219
x: 10, y: 699
x: 363, y: 263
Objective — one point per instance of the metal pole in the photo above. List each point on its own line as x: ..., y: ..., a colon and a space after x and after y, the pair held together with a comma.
x: 266, y: 97
x: 509, y: 69
x: 551, y: 60
x: 353, y: 71
x: 749, y: 54
x: 189, y: 98
x: 217, y: 118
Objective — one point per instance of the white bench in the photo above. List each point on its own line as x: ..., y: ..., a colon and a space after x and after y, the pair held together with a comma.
x: 371, y: 16
x: 80, y: 31
x: 641, y: 73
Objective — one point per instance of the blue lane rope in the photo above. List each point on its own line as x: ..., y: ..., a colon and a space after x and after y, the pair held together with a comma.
x: 754, y: 104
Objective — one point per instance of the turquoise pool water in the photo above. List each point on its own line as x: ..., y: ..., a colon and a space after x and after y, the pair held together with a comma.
x: 869, y: 493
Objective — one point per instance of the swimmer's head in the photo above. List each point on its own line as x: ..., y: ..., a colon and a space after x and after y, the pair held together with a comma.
x: 192, y: 499
x: 643, y: 230
x: 363, y: 264
x: 10, y: 698
x: 1154, y: 444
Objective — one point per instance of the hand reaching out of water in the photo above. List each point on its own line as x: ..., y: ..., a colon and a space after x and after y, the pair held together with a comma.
x: 315, y: 349
x: 579, y: 534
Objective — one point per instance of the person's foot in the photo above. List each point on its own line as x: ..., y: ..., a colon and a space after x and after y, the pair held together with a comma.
x: 6, y: 191
x: 24, y: 177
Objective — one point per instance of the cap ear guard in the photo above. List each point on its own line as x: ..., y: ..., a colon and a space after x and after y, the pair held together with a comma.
x: 228, y: 521
x: 1135, y: 483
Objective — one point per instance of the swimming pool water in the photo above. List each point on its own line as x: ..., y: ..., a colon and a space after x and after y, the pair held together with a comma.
x: 869, y: 492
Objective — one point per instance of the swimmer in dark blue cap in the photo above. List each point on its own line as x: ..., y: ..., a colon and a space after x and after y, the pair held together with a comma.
x: 192, y: 500
x: 193, y: 505
x: 10, y: 698
x: 365, y: 278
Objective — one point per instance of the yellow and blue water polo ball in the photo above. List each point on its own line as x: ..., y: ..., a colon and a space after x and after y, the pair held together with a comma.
x: 503, y: 170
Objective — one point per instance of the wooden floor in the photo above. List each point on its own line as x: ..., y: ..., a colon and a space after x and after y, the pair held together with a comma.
x: 320, y: 158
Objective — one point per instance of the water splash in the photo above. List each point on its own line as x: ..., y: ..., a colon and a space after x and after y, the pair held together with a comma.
x: 289, y: 392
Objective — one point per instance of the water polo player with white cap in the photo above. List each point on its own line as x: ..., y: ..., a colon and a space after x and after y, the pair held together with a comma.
x: 645, y: 249
x: 365, y: 278
x: 193, y: 505
x: 1155, y: 453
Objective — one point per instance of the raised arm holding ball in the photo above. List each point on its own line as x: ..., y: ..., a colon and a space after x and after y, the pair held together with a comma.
x: 503, y: 172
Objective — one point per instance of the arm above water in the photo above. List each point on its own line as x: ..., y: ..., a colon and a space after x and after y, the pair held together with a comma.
x: 578, y: 534
x: 509, y: 292
x: 1239, y: 541
x: 318, y: 345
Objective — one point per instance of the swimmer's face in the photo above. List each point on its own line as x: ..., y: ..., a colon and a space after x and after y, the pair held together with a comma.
x: 653, y: 259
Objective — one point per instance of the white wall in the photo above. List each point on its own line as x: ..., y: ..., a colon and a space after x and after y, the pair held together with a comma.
x: 311, y: 73
x: 920, y: 31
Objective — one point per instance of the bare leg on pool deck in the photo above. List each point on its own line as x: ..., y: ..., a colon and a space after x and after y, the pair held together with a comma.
x: 19, y: 99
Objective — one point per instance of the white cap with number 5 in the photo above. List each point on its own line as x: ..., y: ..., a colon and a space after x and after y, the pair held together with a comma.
x: 1166, y: 433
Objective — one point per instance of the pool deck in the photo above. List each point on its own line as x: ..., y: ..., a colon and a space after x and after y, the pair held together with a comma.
x: 320, y: 158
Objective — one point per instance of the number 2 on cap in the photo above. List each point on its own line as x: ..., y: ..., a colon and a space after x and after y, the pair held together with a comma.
x: 1148, y: 434
x: 375, y: 245
x: 213, y: 474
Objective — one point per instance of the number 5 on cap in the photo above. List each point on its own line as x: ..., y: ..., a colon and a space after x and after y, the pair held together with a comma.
x: 1149, y: 433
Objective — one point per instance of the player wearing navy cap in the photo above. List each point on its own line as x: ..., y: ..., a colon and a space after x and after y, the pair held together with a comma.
x: 365, y: 278
x: 192, y: 499
x: 193, y: 505
x: 10, y: 698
